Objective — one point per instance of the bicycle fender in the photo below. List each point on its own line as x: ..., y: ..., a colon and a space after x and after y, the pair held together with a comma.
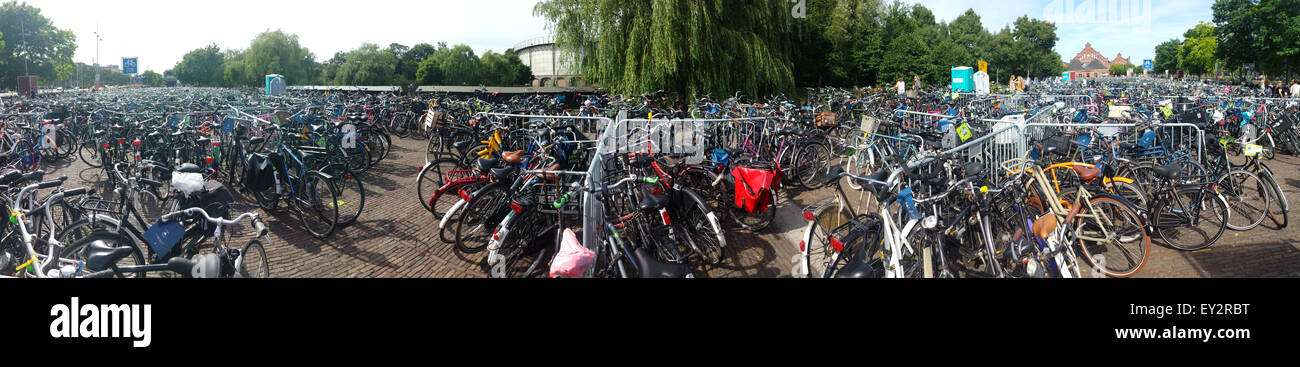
x: 447, y: 217
x: 1108, y: 180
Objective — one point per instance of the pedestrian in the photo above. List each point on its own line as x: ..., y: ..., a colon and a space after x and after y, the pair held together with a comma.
x: 901, y: 86
x: 916, y: 83
x: 1263, y: 84
x: 1295, y: 88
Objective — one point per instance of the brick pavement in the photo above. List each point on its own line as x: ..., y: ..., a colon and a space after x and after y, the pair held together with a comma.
x: 396, y: 237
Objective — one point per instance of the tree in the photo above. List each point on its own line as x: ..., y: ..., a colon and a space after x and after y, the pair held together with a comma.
x: 411, y: 59
x: 1277, y: 29
x: 1034, y: 42
x: 1121, y: 69
x: 1197, y: 53
x: 1167, y: 56
x: 202, y: 67
x: 152, y: 78
x: 367, y: 65
x: 460, y: 66
x: 683, y: 47
x: 46, y: 49
x: 1234, y: 27
x: 968, y: 32
x: 276, y: 53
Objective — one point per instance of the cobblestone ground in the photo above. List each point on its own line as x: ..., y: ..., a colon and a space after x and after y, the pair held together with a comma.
x: 396, y: 237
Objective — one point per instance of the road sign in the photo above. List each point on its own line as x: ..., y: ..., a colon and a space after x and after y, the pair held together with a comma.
x: 129, y: 65
x: 1148, y: 65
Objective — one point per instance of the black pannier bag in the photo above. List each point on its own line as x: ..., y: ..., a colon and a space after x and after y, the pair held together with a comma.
x: 215, y: 199
x: 259, y: 173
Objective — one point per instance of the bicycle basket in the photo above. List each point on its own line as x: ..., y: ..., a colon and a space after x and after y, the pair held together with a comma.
x: 827, y: 119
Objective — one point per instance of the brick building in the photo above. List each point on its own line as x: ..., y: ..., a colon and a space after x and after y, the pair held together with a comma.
x: 1090, y: 64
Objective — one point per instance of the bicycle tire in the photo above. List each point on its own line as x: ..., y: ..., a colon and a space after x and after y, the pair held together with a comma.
x: 1095, y: 253
x: 811, y: 162
x: 1244, y: 193
x: 432, y: 178
x: 313, y: 205
x: 351, y: 194
x: 1278, y: 207
x: 699, y: 227
x: 252, y: 262
x: 1170, y: 220
x: 474, y: 226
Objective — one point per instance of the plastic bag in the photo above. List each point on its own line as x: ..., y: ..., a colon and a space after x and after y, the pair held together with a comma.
x: 573, y: 259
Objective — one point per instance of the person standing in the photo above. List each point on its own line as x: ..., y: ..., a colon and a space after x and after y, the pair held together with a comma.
x: 916, y: 83
x: 901, y: 86
x: 1263, y: 84
x: 1295, y: 88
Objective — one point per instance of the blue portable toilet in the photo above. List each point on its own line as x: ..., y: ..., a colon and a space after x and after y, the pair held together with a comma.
x: 963, y: 79
x: 275, y: 84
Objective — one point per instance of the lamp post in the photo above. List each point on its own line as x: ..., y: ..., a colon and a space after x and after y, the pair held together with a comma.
x: 97, y: 39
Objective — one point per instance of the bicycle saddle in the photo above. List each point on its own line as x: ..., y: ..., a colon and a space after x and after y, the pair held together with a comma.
x: 461, y: 146
x: 504, y: 173
x: 1045, y: 225
x: 861, y: 266
x: 1086, y: 173
x: 651, y: 202
x: 1129, y: 146
x: 652, y: 268
x: 190, y: 168
x: 514, y: 157
x: 100, y: 255
x: 485, y: 165
x: 256, y: 140
x: 1169, y: 171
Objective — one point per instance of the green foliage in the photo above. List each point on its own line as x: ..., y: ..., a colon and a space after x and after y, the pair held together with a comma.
x: 1167, y: 56
x: 202, y: 67
x: 1121, y: 69
x: 1197, y: 53
x: 682, y: 47
x: 276, y: 53
x: 152, y: 79
x: 367, y: 65
x: 47, y: 50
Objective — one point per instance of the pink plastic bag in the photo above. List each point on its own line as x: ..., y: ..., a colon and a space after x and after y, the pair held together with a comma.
x: 573, y: 259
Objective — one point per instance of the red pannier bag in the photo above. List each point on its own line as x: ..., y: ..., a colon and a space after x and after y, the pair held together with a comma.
x: 752, y: 186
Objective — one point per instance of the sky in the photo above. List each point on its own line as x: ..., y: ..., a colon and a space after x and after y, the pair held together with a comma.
x: 1134, y: 32
x: 160, y: 32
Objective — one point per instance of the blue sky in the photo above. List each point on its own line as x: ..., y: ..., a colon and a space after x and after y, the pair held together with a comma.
x: 1167, y: 19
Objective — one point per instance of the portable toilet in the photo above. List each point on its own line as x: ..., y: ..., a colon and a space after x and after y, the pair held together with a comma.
x: 275, y: 84
x: 963, y: 79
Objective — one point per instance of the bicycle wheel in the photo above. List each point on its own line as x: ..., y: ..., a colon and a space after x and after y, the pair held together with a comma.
x: 1248, y: 199
x: 1112, y: 237
x: 820, y: 255
x: 811, y: 162
x: 65, y: 144
x: 91, y: 153
x: 375, y: 146
x: 252, y: 262
x: 1191, y: 219
x: 527, y: 250
x: 754, y: 222
x: 313, y: 202
x: 699, y: 227
x: 433, y: 177
x: 79, y: 250
x: 481, y: 215
x: 1277, y: 208
x: 351, y: 195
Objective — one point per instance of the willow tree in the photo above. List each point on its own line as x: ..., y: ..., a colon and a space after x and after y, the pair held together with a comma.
x: 684, y: 47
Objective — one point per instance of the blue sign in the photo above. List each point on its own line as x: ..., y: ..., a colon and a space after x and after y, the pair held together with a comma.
x: 129, y: 65
x: 1148, y: 65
